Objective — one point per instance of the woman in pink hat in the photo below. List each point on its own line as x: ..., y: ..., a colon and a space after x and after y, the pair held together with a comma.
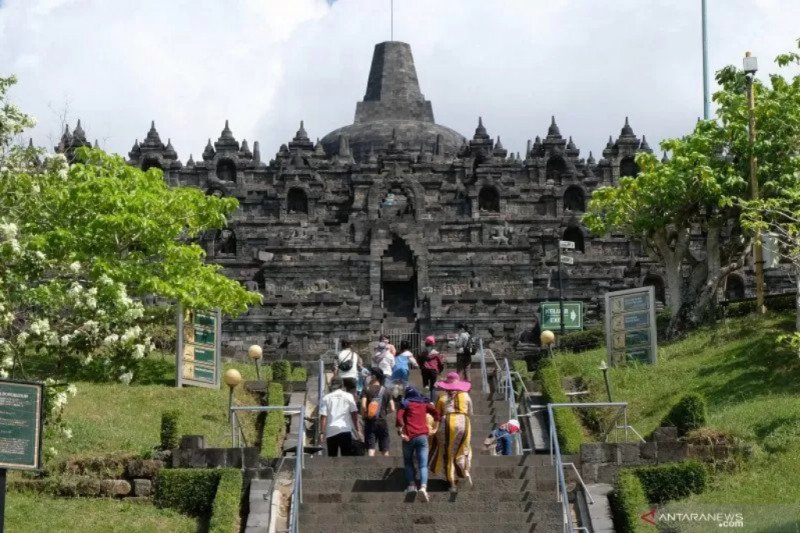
x: 452, y: 452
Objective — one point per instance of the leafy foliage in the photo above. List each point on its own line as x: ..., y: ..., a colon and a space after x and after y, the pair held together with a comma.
x: 663, y: 483
x: 579, y: 341
x: 688, y: 414
x: 628, y: 502
x: 281, y: 370
x: 170, y: 432
x: 225, y: 511
x: 188, y: 490
x: 568, y: 428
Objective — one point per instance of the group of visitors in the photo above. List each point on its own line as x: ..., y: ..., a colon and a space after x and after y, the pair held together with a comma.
x: 435, y: 432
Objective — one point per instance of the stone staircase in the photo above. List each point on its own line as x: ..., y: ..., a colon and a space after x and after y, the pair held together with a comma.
x: 365, y: 494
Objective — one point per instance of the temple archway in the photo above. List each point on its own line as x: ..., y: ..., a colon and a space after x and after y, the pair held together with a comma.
x: 296, y: 201
x: 652, y: 280
x: 556, y: 169
x: 489, y: 200
x: 734, y: 287
x: 574, y: 199
x: 574, y: 234
x: 628, y: 167
x: 226, y: 170
x: 398, y: 284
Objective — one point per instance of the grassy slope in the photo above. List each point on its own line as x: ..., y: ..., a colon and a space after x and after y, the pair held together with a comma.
x: 111, y: 417
x: 753, y: 390
x: 31, y: 513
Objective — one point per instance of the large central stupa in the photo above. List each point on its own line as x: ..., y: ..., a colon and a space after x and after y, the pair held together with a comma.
x: 394, y: 110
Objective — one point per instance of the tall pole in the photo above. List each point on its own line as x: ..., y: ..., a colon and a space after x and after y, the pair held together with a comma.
x: 560, y: 293
x: 706, y: 99
x: 391, y: 24
x: 757, y: 248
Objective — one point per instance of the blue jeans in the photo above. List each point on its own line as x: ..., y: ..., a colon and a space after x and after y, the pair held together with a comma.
x: 417, y: 446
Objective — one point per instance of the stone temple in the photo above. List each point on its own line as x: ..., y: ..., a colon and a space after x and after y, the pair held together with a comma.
x: 397, y: 223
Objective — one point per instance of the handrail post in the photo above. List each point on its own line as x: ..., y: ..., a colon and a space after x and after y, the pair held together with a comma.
x: 484, y: 372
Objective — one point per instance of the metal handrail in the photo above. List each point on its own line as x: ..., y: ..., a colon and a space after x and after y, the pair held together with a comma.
x: 297, y: 489
x: 484, y: 371
x: 320, y: 393
x: 555, y: 450
x: 512, y: 404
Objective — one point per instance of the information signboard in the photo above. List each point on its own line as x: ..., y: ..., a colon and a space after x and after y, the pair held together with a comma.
x: 631, y: 326
x: 21, y: 424
x: 573, y: 315
x: 199, y: 348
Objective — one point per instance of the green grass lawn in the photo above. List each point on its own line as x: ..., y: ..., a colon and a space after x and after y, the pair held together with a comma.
x: 112, y: 417
x: 27, y: 513
x: 752, y: 385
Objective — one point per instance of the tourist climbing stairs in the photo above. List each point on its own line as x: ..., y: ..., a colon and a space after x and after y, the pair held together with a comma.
x: 365, y: 494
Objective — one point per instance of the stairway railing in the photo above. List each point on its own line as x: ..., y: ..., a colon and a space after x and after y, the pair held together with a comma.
x: 297, y: 489
x: 321, y: 386
x: 555, y: 454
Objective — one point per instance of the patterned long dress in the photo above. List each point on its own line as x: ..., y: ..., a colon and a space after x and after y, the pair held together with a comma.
x: 451, y: 452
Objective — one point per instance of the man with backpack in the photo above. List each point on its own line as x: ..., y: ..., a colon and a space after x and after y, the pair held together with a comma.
x: 346, y: 367
x: 431, y: 363
x: 376, y: 404
x: 465, y: 347
x: 403, y: 363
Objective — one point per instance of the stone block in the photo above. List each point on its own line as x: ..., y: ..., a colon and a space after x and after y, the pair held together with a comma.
x: 703, y: 452
x: 670, y: 452
x: 142, y: 487
x: 648, y: 452
x: 607, y: 473
x: 191, y: 442
x: 217, y: 458
x: 251, y: 458
x: 629, y: 453
x: 665, y: 434
x: 88, y: 487
x: 115, y: 487
x: 593, y: 452
x: 143, y: 468
x: 196, y: 458
x: 589, y: 472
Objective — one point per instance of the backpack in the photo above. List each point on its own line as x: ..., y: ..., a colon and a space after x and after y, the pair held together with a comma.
x: 401, y: 367
x: 347, y: 364
x: 375, y: 406
x: 471, y: 347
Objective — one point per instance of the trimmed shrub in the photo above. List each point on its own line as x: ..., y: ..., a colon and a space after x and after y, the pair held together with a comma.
x: 169, y: 430
x: 520, y: 366
x: 299, y: 374
x: 266, y: 373
x: 281, y: 370
x: 628, y: 502
x: 663, y: 319
x: 773, y: 303
x: 579, y: 341
x: 274, y: 423
x: 225, y: 510
x: 188, y: 490
x: 568, y: 428
x: 687, y: 415
x: 672, y: 481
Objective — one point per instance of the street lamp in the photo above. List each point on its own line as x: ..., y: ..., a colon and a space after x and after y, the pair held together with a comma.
x: 548, y: 338
x: 750, y: 65
x: 604, y: 368
x: 255, y: 352
x: 231, y: 378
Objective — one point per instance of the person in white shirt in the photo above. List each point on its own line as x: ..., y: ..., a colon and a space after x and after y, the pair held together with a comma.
x: 384, y: 359
x: 346, y: 367
x: 338, y: 420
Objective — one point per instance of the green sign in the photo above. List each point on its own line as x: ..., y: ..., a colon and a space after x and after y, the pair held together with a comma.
x: 199, y: 348
x: 573, y: 315
x: 20, y: 425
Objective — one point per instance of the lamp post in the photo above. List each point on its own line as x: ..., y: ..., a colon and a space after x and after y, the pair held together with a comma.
x: 548, y: 338
x: 255, y: 352
x: 750, y: 65
x: 604, y: 368
x: 232, y: 378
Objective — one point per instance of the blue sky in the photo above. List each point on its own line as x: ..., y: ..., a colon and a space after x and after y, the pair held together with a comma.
x: 267, y: 64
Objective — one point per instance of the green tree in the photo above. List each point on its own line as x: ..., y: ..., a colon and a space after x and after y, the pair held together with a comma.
x: 686, y: 211
x: 77, y: 240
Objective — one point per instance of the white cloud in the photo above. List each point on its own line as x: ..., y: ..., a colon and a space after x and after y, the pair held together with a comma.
x: 267, y: 64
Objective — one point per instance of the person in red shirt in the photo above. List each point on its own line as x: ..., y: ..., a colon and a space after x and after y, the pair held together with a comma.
x: 412, y: 425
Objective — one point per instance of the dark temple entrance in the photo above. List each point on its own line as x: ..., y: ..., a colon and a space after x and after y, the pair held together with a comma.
x: 398, y: 286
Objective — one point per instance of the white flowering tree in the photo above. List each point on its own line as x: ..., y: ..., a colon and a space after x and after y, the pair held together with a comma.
x: 79, y: 243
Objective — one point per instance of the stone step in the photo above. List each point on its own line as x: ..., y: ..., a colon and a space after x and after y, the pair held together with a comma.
x: 411, y: 504
x: 396, y: 483
x: 423, y: 514
x: 397, y: 461
x: 381, y: 473
x: 487, y: 493
x: 380, y: 525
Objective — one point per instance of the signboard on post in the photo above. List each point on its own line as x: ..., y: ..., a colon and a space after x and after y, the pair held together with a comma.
x: 573, y: 315
x: 21, y: 405
x: 631, y: 326
x: 199, y: 357
x: 566, y: 245
x: 567, y: 259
